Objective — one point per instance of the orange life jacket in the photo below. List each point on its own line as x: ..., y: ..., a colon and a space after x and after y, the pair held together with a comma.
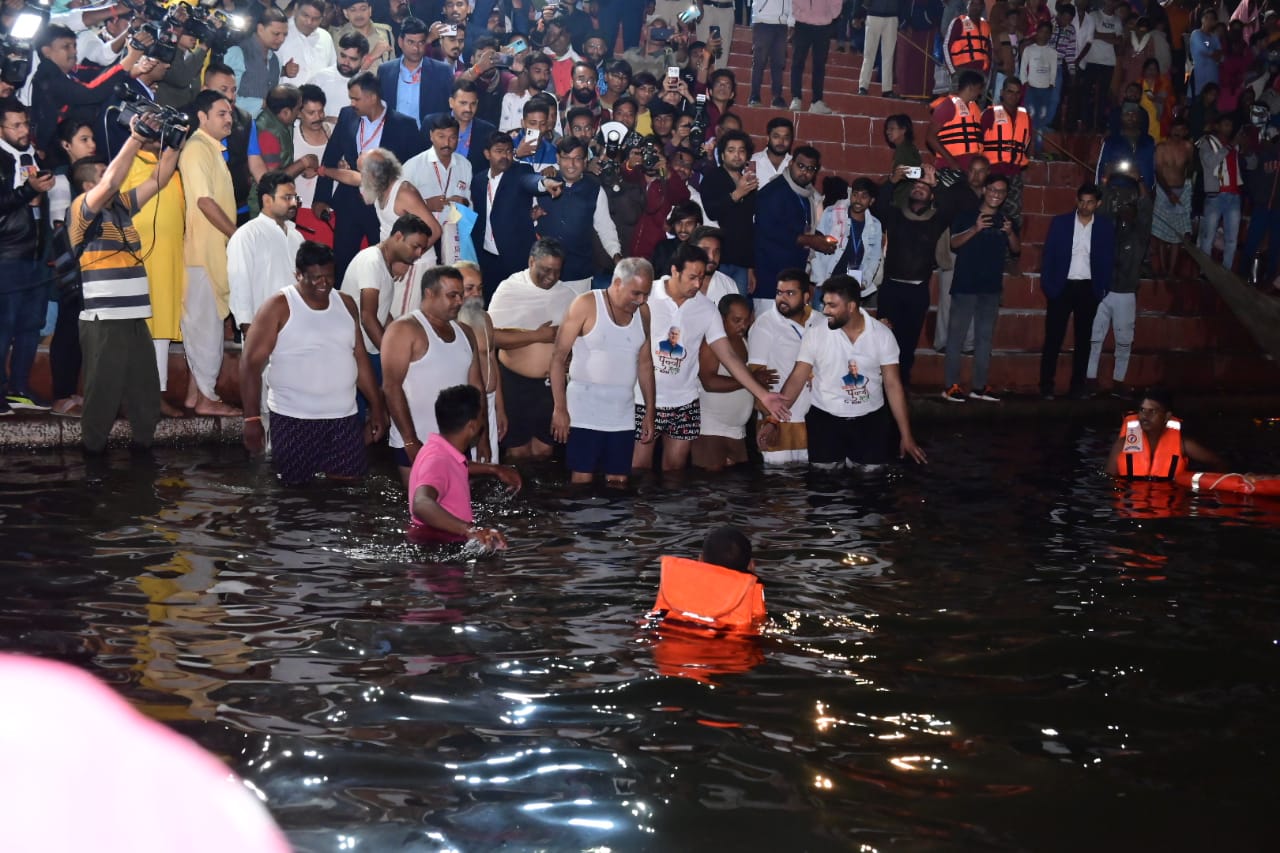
x: 973, y: 45
x: 710, y: 596
x: 962, y: 134
x: 1164, y: 462
x: 1008, y: 141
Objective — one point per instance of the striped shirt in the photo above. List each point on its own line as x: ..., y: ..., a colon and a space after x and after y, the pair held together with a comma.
x: 115, y: 281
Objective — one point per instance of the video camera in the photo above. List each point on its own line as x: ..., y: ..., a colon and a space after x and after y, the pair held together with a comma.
x: 174, y: 126
x: 698, y: 133
x: 165, y: 24
x: 614, y: 140
x: 16, y: 47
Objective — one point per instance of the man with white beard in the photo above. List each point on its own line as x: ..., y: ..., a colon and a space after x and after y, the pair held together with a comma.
x: 481, y: 324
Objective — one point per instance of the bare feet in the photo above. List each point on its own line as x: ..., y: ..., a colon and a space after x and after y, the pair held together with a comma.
x: 216, y: 409
x: 169, y: 410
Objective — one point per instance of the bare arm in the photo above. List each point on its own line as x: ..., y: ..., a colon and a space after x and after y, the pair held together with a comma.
x: 427, y: 509
x: 570, y: 329
x: 800, y: 376
x: 1202, y: 456
x: 113, y: 178
x: 475, y: 378
x: 397, y: 352
x: 366, y: 381
x: 709, y: 372
x: 409, y: 200
x: 648, y: 382
x: 369, y: 316
x: 270, y: 318
x: 738, y: 370
x: 1113, y: 458
x: 897, y: 399
x: 517, y: 338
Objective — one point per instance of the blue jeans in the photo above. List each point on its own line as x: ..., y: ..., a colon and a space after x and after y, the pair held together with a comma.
x: 982, y: 309
x: 1040, y: 105
x: 1261, y: 222
x: 1224, y: 208
x: 22, y: 314
x: 739, y: 276
x: 1058, y: 86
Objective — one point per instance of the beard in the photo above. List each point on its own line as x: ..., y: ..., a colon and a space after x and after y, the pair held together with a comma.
x: 833, y: 323
x: 584, y: 96
x: 787, y: 311
x: 370, y: 192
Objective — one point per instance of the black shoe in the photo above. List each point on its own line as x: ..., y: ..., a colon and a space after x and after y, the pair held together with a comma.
x: 862, y: 91
x: 779, y: 104
x: 893, y: 96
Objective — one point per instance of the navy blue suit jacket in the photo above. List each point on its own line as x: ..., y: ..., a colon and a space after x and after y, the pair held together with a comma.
x: 481, y: 130
x: 433, y: 93
x: 512, y: 221
x: 1055, y: 259
x: 399, y: 135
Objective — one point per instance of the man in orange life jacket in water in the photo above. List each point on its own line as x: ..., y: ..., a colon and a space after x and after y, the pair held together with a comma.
x: 1151, y: 445
x: 720, y: 592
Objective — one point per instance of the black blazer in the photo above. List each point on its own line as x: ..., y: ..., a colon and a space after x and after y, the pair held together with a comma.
x: 433, y: 94
x: 400, y: 135
x: 512, y: 222
x: 53, y: 93
x: 481, y: 130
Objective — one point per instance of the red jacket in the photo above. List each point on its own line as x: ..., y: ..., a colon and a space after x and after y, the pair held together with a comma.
x: 659, y: 197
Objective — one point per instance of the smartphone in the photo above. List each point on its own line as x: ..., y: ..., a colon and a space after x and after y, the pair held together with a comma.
x: 502, y: 60
x: 750, y: 168
x: 449, y: 31
x: 518, y: 46
x: 532, y: 136
x: 673, y: 72
x: 914, y: 173
x: 715, y: 31
x: 660, y: 34
x: 43, y: 173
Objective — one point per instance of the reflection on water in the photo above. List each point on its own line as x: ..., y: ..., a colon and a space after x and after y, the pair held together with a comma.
x: 999, y: 651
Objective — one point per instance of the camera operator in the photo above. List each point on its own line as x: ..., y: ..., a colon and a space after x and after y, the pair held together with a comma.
x: 23, y: 285
x: 181, y: 83
x: 119, y: 359
x: 55, y: 91
x: 102, y: 47
x: 138, y: 82
x: 663, y: 187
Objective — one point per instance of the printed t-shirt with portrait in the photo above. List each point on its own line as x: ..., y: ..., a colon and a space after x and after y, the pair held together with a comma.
x: 847, y: 380
x: 677, y: 333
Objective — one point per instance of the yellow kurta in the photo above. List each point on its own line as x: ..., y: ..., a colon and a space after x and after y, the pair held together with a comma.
x: 205, y: 175
x: 162, y: 226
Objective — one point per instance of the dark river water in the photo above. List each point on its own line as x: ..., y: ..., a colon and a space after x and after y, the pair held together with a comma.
x: 1000, y: 651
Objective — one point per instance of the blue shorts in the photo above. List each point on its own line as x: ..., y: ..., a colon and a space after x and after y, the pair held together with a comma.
x: 590, y: 451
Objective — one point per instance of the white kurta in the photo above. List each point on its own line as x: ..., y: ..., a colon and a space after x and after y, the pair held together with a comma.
x: 433, y: 178
x: 260, y: 262
x: 312, y: 53
x: 334, y: 86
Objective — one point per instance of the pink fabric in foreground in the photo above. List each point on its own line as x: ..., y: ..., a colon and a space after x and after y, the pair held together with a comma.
x: 84, y: 771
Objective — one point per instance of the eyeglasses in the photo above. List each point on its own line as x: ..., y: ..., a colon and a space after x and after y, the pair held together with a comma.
x: 809, y: 170
x: 288, y: 197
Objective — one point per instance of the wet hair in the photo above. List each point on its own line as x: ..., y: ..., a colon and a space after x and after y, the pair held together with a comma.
x: 706, y: 232
x: 734, y: 136
x: 903, y: 121
x: 687, y: 209
x: 728, y: 548
x: 1161, y: 395
x: 442, y: 121
x: 629, y: 268
x: 834, y: 189
x: 844, y: 286
x: 272, y: 181
x: 547, y: 247
x: 1088, y: 188
x: 434, y: 276
x: 456, y: 407
x: 283, y: 97
x: 777, y: 122
x: 686, y: 254
x: 409, y: 224
x: 367, y: 81
x: 312, y: 94
x: 797, y: 275
x: 731, y: 299
x: 354, y: 40
x: 312, y: 254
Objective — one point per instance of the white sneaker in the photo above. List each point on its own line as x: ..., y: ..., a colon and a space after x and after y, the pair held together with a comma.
x: 796, y: 105
x: 820, y: 108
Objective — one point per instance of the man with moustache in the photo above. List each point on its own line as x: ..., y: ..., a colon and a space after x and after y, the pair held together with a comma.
x: 786, y: 220
x: 774, y: 159
x: 423, y: 353
x: 853, y: 367
x: 464, y: 105
x: 607, y: 333
x: 333, y: 80
x: 260, y: 254
x: 307, y: 337
x: 729, y: 195
x: 442, y: 179
x: 580, y: 209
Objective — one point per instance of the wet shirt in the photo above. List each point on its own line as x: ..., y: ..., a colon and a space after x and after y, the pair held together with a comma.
x: 847, y: 379
x: 677, y: 333
x: 440, y: 466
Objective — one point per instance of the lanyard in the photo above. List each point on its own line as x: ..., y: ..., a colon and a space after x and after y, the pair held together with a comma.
x: 376, y: 133
x: 448, y: 176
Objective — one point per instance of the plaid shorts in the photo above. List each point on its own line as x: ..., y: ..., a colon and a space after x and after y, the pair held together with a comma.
x: 682, y: 422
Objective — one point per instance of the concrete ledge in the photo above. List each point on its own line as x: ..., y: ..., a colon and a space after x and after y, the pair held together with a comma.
x: 33, y: 432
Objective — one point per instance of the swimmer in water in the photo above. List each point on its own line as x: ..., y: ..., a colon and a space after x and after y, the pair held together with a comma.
x: 1151, y: 445
x: 718, y: 591
x: 439, y: 484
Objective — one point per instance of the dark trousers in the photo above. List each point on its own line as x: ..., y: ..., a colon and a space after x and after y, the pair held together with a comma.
x: 1077, y: 299
x: 905, y: 305
x: 119, y: 367
x: 1096, y: 95
x: 625, y: 14
x: 768, y: 46
x: 355, y: 225
x: 806, y: 37
x: 64, y: 349
x: 1262, y: 222
x: 22, y: 314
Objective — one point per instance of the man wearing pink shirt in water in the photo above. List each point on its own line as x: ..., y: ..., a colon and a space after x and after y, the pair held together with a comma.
x: 439, y: 484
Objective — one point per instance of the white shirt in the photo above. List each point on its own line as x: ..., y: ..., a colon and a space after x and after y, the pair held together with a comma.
x: 306, y: 187
x: 764, y: 168
x: 368, y: 271
x: 1099, y: 53
x: 334, y: 86
x: 720, y: 286
x: 260, y: 262
x: 1081, y: 242
x: 512, y: 117
x: 518, y: 303
x: 1039, y: 66
x: 91, y: 47
x: 491, y: 245
x: 369, y: 133
x: 675, y: 364
x: 312, y: 53
x: 847, y: 380
x: 432, y: 177
x: 774, y: 341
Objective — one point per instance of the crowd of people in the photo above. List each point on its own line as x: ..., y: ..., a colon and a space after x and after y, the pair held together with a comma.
x: 557, y: 205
